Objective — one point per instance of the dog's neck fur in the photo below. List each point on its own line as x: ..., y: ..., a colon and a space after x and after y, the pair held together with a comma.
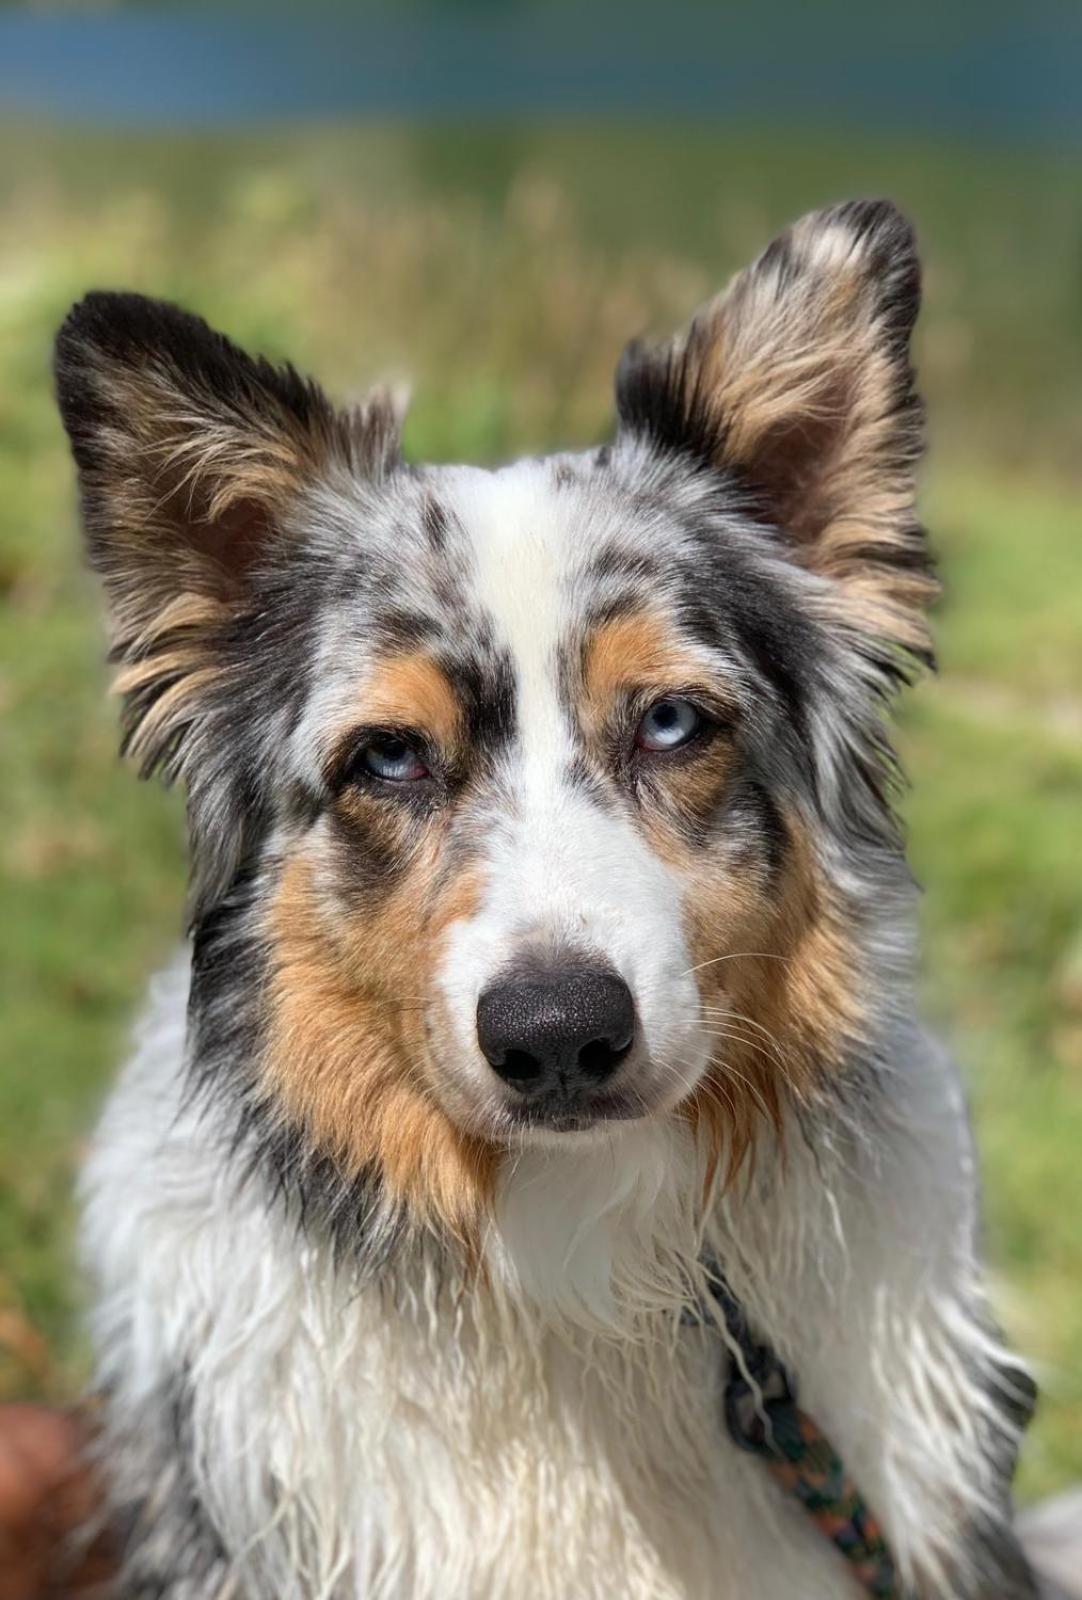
x: 560, y: 1375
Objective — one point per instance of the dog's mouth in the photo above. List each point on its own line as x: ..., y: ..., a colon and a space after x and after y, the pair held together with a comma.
x: 558, y: 1111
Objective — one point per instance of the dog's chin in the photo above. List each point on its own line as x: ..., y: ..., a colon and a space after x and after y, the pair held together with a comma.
x: 558, y: 1125
x: 519, y: 1126
x: 563, y: 1124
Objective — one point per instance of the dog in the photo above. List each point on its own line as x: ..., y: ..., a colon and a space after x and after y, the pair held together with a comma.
x: 550, y: 964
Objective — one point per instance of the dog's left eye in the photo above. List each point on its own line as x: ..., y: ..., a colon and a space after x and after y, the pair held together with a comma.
x: 394, y: 760
x: 668, y: 724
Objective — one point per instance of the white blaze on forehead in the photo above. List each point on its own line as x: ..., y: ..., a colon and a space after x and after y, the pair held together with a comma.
x: 559, y: 867
x: 523, y: 543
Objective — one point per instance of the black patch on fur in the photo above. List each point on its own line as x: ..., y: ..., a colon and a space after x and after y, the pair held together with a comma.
x: 760, y: 807
x: 398, y: 627
x: 581, y: 776
x: 617, y: 562
x: 348, y: 1213
x: 723, y: 600
x: 892, y: 260
x: 166, y: 1542
x: 484, y: 680
x: 371, y: 860
x: 434, y: 520
x: 659, y: 397
x: 231, y: 968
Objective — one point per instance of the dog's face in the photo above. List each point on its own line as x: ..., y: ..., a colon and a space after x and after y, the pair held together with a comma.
x: 542, y: 792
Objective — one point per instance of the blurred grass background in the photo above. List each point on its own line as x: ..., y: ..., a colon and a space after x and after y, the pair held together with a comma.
x: 502, y: 269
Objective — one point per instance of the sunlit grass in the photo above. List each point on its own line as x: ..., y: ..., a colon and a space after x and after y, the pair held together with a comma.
x: 507, y: 302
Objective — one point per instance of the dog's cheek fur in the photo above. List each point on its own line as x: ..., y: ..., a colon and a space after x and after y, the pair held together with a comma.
x: 777, y: 974
x: 346, y: 1059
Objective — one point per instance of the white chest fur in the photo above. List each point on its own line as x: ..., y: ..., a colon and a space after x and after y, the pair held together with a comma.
x: 414, y: 1441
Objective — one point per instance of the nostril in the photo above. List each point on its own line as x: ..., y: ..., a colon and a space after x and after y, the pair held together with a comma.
x: 601, y: 1057
x: 519, y: 1066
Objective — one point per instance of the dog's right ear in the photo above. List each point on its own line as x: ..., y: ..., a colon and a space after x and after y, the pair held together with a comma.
x: 191, y: 456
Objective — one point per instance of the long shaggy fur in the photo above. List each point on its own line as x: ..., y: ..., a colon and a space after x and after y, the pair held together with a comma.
x: 366, y: 1324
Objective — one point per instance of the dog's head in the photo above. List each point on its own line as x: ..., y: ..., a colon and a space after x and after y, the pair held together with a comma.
x: 553, y: 796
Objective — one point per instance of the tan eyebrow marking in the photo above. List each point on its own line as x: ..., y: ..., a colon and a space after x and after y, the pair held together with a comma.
x: 634, y: 648
x: 414, y: 691
x: 638, y: 649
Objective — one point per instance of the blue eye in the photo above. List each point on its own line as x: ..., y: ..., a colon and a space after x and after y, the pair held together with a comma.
x: 668, y: 724
x: 392, y: 759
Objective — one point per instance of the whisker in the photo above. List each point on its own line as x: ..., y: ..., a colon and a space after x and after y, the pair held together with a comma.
x: 770, y: 1049
x: 737, y: 955
x: 731, y: 1073
x: 717, y: 1015
x: 709, y: 1085
x: 726, y: 1013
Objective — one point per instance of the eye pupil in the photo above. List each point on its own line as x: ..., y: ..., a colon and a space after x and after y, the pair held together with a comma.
x: 669, y: 724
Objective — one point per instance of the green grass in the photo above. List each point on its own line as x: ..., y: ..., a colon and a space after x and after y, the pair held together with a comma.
x: 503, y: 271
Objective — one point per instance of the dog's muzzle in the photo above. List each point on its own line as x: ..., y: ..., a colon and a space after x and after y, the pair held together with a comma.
x: 556, y: 1035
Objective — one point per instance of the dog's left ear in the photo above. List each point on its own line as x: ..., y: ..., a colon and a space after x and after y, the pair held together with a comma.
x: 797, y: 383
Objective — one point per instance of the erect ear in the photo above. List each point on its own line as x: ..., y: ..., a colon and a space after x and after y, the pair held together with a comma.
x: 797, y: 382
x: 190, y: 456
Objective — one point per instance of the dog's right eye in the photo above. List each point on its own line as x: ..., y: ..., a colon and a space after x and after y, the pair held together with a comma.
x: 668, y: 725
x: 390, y: 758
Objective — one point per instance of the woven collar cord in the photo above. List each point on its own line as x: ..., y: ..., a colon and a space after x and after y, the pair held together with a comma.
x: 763, y: 1418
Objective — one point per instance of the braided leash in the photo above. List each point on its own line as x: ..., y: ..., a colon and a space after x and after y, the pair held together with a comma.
x: 763, y: 1418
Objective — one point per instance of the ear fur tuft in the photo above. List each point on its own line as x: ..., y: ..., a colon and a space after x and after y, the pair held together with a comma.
x: 797, y: 384
x: 192, y: 458
x: 190, y: 455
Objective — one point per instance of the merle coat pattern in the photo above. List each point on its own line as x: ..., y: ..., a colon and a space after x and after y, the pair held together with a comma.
x: 379, y: 1313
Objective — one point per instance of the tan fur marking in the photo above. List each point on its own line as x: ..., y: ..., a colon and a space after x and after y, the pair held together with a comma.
x: 170, y: 649
x: 777, y: 974
x: 348, y: 1060
x: 803, y: 380
x: 631, y: 652
x: 174, y: 706
x: 413, y: 691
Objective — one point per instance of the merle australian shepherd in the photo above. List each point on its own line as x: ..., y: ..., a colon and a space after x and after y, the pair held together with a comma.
x: 551, y: 953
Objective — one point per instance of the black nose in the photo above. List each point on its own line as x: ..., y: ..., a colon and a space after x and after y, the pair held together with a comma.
x: 566, y: 1029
